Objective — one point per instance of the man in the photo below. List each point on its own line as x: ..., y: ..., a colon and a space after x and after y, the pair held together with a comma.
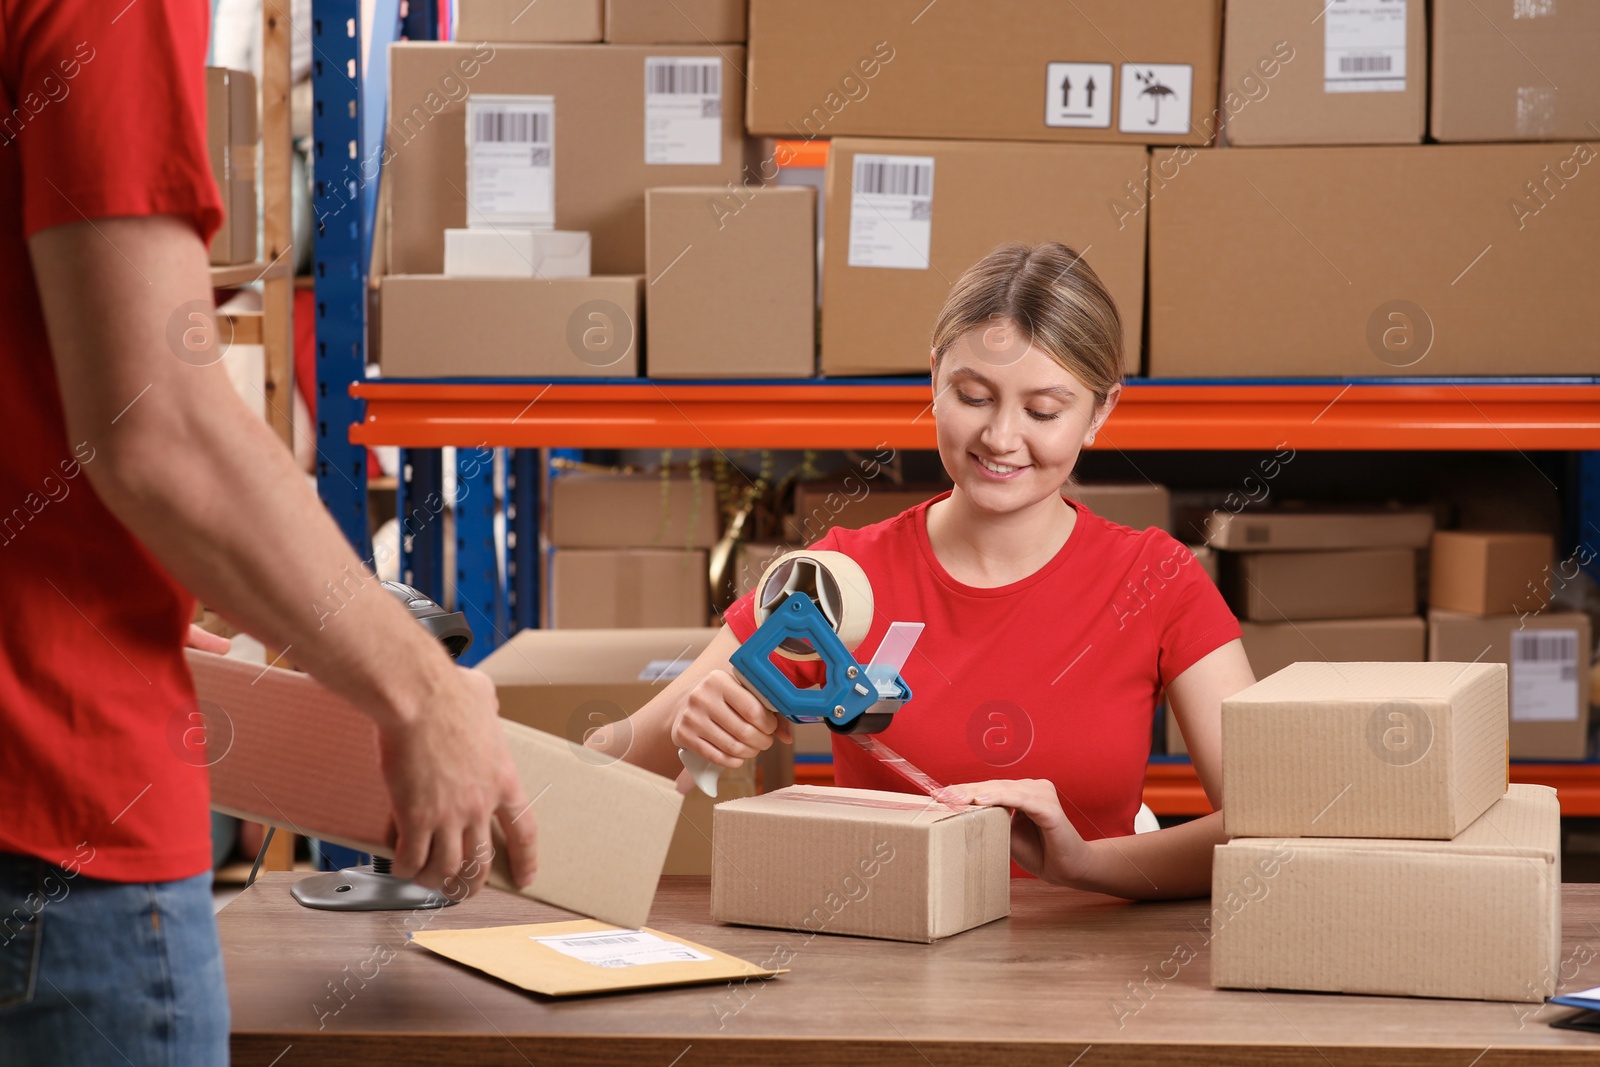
x: 131, y: 474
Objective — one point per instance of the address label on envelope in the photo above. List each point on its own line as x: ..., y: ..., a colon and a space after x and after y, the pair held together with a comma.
x: 585, y: 956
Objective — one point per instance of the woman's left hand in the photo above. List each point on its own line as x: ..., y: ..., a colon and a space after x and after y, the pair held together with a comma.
x: 206, y: 641
x: 1043, y: 840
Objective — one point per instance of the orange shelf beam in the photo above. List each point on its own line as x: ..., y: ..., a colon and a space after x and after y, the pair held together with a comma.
x: 634, y: 414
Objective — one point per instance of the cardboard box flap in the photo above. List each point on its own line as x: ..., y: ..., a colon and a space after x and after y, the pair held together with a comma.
x: 524, y: 957
x: 594, y: 657
x: 284, y: 750
x: 1315, y: 683
x: 852, y: 805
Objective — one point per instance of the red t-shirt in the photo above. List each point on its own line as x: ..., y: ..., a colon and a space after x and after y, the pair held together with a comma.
x: 102, y: 114
x: 1056, y: 676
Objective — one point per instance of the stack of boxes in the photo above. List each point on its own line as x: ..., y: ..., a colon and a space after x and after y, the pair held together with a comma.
x: 1489, y: 601
x: 231, y: 147
x: 1376, y: 845
x: 630, y: 550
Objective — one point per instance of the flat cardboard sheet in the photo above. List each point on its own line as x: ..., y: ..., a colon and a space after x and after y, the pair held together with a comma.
x: 513, y: 954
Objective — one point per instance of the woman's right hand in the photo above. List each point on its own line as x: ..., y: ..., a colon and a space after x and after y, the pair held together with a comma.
x: 726, y: 723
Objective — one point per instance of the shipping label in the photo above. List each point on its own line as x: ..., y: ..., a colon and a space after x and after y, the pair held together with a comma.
x: 621, y: 948
x: 891, y: 211
x: 683, y: 110
x: 511, y: 145
x: 1364, y: 46
x: 1544, y: 676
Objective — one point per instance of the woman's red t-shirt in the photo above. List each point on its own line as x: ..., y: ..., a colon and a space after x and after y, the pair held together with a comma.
x: 1056, y: 676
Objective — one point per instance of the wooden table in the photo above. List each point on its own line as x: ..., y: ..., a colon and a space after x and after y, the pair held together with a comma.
x: 1050, y: 985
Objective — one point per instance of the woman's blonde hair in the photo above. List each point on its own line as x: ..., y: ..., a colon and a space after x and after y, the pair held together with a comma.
x: 1054, y: 299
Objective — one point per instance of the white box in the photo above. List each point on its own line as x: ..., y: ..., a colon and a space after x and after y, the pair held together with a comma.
x: 516, y: 252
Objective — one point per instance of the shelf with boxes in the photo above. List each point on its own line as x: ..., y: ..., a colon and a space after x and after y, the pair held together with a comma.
x: 1332, y: 214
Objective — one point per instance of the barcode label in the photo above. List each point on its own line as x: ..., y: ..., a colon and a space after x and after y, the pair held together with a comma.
x: 511, y: 161
x: 1364, y: 46
x: 1544, y: 676
x: 683, y: 110
x: 522, y: 127
x: 622, y: 948
x: 1364, y: 64
x: 891, y: 211
x: 884, y: 178
x: 699, y: 77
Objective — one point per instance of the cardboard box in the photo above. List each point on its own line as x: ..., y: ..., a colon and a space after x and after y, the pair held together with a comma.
x: 1364, y: 750
x: 572, y: 682
x: 860, y: 861
x: 685, y: 21
x: 1514, y: 71
x: 852, y: 504
x: 543, y: 21
x: 1489, y: 573
x: 513, y: 252
x: 1272, y: 646
x: 1550, y: 680
x: 1306, y: 72
x: 1477, y: 918
x: 435, y: 326
x: 1140, y: 71
x: 1294, y: 530
x: 600, y: 136
x: 231, y: 140
x: 1345, y: 584
x: 604, y: 588
x: 1373, y: 261
x: 754, y: 558
x: 632, y: 511
x: 604, y: 828
x: 1137, y: 505
x: 905, y: 219
x: 732, y: 278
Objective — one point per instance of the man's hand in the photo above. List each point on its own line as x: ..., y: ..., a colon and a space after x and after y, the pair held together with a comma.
x: 435, y: 765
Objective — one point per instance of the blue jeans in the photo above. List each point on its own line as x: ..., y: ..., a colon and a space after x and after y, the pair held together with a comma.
x: 96, y: 972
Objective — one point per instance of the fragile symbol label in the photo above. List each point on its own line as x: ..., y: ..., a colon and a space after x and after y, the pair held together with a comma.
x: 1156, y: 97
x: 1078, y: 94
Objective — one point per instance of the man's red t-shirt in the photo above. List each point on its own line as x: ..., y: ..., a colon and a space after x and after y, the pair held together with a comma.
x: 1056, y: 676
x: 102, y: 114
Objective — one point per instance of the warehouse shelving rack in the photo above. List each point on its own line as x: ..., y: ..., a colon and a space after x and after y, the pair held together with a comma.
x: 1452, y: 414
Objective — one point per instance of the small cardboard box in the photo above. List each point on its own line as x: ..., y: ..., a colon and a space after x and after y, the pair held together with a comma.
x: 231, y: 139
x: 680, y: 21
x: 1521, y: 70
x: 1310, y: 247
x: 632, y: 511
x: 1308, y: 72
x: 1136, y: 71
x: 1489, y: 573
x: 753, y: 559
x: 905, y: 219
x: 294, y: 755
x: 522, y: 21
x: 1548, y: 655
x: 611, y: 140
x: 1364, y: 750
x: 515, y: 252
x: 860, y: 861
x: 436, y: 327
x: 732, y: 282
x: 1476, y: 918
x: 605, y: 588
x: 1137, y: 505
x: 1272, y: 646
x: 1346, y: 584
x: 1281, y: 531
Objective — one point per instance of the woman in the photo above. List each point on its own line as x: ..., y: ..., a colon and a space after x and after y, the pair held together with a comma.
x: 1050, y: 632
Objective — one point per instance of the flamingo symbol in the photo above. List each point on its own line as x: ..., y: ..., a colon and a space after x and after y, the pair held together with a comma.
x: 1155, y: 90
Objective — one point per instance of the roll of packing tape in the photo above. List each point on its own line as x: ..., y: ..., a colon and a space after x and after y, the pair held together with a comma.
x: 834, y: 582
